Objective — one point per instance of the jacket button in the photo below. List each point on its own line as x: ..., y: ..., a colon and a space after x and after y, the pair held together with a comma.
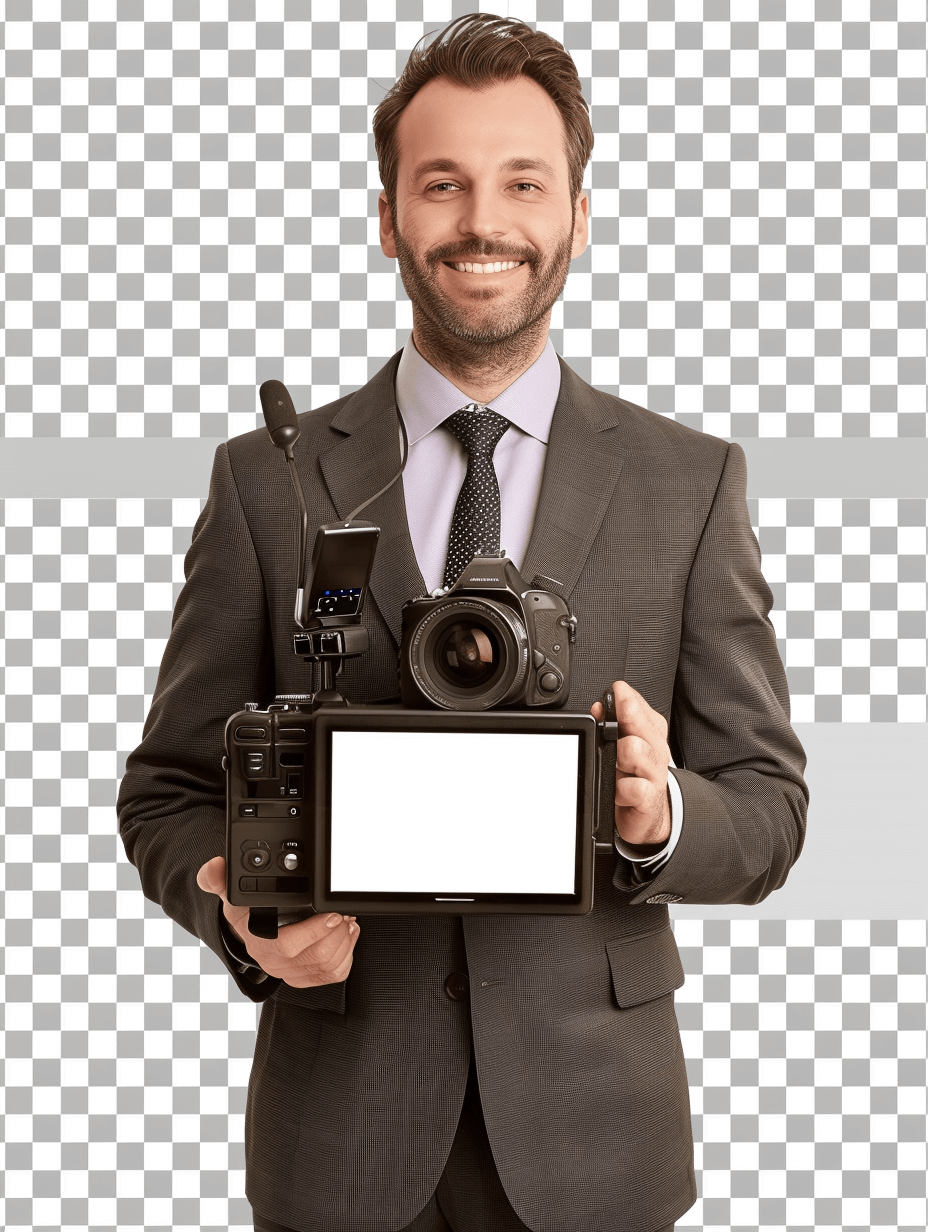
x: 457, y: 986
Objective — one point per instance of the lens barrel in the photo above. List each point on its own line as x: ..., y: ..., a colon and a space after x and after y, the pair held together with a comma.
x: 469, y: 654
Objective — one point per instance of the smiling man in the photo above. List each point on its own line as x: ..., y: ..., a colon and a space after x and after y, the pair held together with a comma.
x: 489, y: 1073
x: 484, y: 232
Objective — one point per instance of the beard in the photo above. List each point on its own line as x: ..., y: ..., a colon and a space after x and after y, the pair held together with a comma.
x: 492, y: 326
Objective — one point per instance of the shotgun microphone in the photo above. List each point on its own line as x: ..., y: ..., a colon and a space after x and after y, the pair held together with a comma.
x: 279, y: 415
x: 281, y: 421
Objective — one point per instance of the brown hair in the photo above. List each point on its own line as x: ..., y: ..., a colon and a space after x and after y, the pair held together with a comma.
x: 480, y: 50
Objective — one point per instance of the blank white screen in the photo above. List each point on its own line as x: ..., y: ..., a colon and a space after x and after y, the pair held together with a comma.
x: 454, y: 813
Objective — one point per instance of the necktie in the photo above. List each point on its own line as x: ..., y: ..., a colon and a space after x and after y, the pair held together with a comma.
x: 475, y: 524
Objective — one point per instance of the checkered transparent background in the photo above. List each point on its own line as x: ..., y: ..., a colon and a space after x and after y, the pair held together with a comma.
x: 190, y: 203
x: 128, y: 1053
x: 188, y: 196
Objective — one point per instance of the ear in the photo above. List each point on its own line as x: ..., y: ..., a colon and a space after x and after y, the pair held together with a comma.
x: 581, y: 225
x: 387, y: 243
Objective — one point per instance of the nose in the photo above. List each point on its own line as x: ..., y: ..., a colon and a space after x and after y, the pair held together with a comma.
x: 483, y: 213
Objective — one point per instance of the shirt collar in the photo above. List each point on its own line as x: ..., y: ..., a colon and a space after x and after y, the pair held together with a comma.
x: 426, y: 398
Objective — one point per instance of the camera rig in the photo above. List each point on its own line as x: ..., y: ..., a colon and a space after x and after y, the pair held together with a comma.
x: 489, y: 642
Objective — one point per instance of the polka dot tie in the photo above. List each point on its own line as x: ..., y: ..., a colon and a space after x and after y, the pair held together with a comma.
x: 475, y: 524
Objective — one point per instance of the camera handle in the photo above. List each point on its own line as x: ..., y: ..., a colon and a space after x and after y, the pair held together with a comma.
x: 607, y: 733
x: 267, y: 921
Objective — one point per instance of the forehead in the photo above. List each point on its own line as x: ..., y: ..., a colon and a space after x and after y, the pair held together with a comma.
x: 512, y: 119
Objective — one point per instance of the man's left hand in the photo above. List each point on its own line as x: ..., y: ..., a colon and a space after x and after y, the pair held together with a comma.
x: 642, y: 804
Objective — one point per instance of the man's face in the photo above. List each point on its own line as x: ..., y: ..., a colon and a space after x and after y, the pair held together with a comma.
x: 483, y: 176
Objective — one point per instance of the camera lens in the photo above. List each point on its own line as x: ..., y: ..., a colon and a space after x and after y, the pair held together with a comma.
x: 469, y: 654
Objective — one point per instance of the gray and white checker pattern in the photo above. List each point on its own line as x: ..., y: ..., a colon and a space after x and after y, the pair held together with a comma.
x: 189, y: 198
x: 128, y: 1049
x: 187, y: 202
x: 848, y: 579
x: 805, y: 1043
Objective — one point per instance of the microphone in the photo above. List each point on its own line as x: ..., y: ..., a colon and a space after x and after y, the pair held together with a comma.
x: 281, y: 421
x: 279, y: 415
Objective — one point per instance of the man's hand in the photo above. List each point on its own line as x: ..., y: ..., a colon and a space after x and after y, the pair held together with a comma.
x: 319, y: 950
x: 642, y: 805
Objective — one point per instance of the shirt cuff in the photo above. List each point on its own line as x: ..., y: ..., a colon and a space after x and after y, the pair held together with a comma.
x: 648, y: 865
x: 239, y: 957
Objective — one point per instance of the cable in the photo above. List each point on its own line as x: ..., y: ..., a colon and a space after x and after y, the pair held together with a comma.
x: 370, y: 500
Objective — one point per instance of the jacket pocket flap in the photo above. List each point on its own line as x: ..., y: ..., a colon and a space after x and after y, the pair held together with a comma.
x: 644, y: 968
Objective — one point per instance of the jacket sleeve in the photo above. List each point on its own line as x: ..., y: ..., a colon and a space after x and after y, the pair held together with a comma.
x: 739, y: 762
x: 171, y: 803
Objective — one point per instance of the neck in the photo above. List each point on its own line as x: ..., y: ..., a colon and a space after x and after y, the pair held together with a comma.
x: 480, y: 370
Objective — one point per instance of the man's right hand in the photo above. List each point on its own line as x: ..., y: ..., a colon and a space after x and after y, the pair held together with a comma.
x: 316, y: 951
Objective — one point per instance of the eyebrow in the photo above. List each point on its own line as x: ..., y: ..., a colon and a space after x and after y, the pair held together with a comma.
x: 448, y: 165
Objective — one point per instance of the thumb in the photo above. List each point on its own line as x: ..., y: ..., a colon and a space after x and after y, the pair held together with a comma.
x: 212, y: 877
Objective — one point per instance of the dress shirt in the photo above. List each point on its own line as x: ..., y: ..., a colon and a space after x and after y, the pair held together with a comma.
x: 436, y: 468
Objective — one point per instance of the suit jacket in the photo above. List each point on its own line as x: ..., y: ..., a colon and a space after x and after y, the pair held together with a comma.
x: 356, y: 1087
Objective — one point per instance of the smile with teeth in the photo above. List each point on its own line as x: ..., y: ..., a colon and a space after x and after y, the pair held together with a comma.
x: 490, y: 267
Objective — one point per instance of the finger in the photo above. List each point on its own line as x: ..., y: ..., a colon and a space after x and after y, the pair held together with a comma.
x: 635, y: 793
x: 292, y: 940
x: 319, y: 946
x: 596, y: 710
x: 634, y: 714
x: 639, y: 758
x: 324, y: 962
x: 211, y: 877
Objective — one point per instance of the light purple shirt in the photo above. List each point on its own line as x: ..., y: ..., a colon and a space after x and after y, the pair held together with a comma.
x: 438, y: 461
x: 437, y: 465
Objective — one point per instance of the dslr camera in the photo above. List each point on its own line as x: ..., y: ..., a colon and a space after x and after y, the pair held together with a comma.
x: 489, y: 641
x: 324, y: 801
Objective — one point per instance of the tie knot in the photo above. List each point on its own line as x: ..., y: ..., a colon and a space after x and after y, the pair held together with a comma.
x: 477, y: 428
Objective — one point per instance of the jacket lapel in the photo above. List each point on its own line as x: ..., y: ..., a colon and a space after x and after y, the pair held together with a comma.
x: 358, y: 466
x: 581, y: 469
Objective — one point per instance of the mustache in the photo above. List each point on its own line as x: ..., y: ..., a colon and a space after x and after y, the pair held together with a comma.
x: 493, y: 250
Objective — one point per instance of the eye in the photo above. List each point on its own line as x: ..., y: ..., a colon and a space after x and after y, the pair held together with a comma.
x: 444, y: 187
x: 526, y: 188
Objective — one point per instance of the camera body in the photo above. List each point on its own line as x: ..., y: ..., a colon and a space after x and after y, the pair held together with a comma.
x: 489, y: 642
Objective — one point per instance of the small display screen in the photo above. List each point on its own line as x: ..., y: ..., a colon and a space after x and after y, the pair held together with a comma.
x: 339, y: 602
x: 454, y: 813
x: 341, y: 566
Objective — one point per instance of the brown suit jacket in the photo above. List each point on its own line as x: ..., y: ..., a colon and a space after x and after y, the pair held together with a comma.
x: 356, y: 1088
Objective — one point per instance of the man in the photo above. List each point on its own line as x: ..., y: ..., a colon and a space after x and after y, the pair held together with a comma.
x: 490, y: 1072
